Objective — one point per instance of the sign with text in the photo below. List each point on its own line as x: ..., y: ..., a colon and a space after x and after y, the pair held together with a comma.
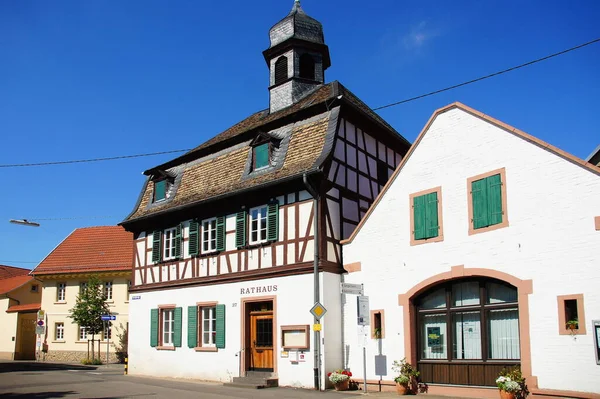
x: 107, y: 317
x: 259, y: 289
x: 363, y: 310
x: 434, y: 336
x: 40, y: 330
x: 352, y: 289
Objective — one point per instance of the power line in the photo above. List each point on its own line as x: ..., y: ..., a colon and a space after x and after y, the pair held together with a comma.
x: 488, y: 76
x: 374, y: 109
x: 19, y: 165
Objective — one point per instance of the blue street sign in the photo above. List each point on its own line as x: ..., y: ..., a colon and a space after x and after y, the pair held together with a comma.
x: 106, y: 317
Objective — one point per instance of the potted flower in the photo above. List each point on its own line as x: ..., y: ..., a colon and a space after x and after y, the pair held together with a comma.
x: 511, y: 383
x: 407, y: 376
x: 340, y: 379
x: 572, y: 324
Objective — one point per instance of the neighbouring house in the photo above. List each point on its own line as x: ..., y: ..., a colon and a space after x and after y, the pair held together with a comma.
x: 236, y: 240
x: 594, y: 157
x: 103, y: 251
x: 19, y: 302
x: 482, y: 253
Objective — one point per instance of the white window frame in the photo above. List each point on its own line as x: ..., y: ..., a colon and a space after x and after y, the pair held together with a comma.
x: 169, y: 237
x: 212, y: 326
x: 260, y: 217
x: 61, y: 292
x: 83, y: 334
x: 59, y: 331
x: 108, y: 290
x: 212, y: 235
x: 167, y: 319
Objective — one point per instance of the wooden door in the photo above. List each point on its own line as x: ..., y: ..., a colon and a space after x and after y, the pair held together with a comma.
x: 26, y: 338
x: 261, y: 341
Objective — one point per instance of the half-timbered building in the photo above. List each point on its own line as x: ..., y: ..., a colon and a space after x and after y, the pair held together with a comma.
x: 237, y: 239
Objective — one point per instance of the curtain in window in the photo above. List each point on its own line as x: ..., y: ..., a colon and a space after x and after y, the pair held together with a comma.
x: 467, y: 335
x: 434, y: 337
x: 503, y: 334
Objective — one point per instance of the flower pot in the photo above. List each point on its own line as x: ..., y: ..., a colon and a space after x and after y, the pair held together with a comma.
x: 402, y: 389
x: 342, y: 386
x: 507, y: 395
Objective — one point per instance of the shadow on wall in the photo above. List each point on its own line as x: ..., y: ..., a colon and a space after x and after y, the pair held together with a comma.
x: 11, y: 367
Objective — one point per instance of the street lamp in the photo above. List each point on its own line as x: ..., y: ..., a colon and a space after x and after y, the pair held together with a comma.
x: 24, y: 222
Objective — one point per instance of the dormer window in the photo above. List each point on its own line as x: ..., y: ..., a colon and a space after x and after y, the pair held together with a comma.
x: 260, y: 155
x: 160, y: 190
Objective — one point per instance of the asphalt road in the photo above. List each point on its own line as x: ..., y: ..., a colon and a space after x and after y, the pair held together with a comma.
x: 51, y: 380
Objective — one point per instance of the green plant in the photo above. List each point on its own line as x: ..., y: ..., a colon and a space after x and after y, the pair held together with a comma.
x: 339, y: 375
x: 94, y: 362
x: 572, y: 324
x: 377, y: 333
x: 511, y: 380
x: 121, y: 348
x: 406, y: 372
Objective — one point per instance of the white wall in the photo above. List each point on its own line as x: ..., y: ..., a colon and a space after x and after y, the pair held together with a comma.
x: 295, y: 298
x: 551, y: 240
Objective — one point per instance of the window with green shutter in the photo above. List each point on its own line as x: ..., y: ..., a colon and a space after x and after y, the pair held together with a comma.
x: 194, y: 237
x: 192, y: 326
x: 177, y: 328
x: 273, y: 221
x: 240, y: 229
x: 153, y: 328
x: 178, y: 240
x: 220, y: 327
x: 221, y: 233
x: 156, y: 246
x: 426, y: 216
x: 486, y: 195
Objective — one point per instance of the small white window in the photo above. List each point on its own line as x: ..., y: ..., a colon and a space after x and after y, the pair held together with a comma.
x: 108, y: 290
x: 82, y: 333
x: 209, y: 235
x: 169, y: 243
x: 59, y: 331
x: 209, y: 325
x: 60, y: 292
x: 168, y: 326
x: 258, y: 225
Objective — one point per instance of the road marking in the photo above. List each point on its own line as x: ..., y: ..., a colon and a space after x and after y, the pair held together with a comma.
x: 74, y: 371
x: 89, y: 372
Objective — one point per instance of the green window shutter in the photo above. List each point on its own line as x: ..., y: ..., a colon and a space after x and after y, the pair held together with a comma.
x: 157, y: 246
x: 220, y: 338
x: 480, y: 204
x: 160, y: 190
x: 419, y: 217
x: 178, y: 241
x: 193, y: 242
x: 221, y: 233
x: 192, y: 326
x: 261, y: 156
x: 240, y: 229
x: 494, y: 189
x: 431, y: 214
x: 153, y: 328
x: 273, y: 221
x: 177, y: 328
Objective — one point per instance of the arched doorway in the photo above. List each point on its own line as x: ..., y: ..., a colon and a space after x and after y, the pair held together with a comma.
x: 466, y: 331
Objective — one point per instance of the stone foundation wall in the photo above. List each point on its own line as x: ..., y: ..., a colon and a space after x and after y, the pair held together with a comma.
x: 6, y: 356
x: 76, y: 356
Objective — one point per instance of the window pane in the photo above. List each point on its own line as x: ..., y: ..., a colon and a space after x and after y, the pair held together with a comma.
x: 160, y: 188
x: 261, y: 156
x: 503, y: 330
x: 433, y: 337
x: 264, y: 332
x: 465, y: 294
x: 500, y: 293
x: 466, y: 328
x: 435, y: 300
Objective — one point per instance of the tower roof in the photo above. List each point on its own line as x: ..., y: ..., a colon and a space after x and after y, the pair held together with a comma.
x: 297, y: 25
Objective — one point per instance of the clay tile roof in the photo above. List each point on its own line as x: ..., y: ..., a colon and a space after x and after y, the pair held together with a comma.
x: 100, y: 248
x: 29, y: 307
x: 11, y: 271
x: 11, y: 283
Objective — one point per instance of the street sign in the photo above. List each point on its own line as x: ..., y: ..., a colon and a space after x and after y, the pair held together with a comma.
x: 318, y: 310
x: 41, y: 314
x: 352, y: 289
x: 40, y: 322
x: 363, y: 310
x: 317, y: 327
x: 107, y: 317
x: 40, y: 330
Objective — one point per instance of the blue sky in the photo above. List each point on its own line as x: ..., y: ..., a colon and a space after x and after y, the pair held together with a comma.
x: 97, y: 79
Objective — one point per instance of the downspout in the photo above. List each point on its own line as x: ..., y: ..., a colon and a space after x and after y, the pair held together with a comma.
x: 317, y: 296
